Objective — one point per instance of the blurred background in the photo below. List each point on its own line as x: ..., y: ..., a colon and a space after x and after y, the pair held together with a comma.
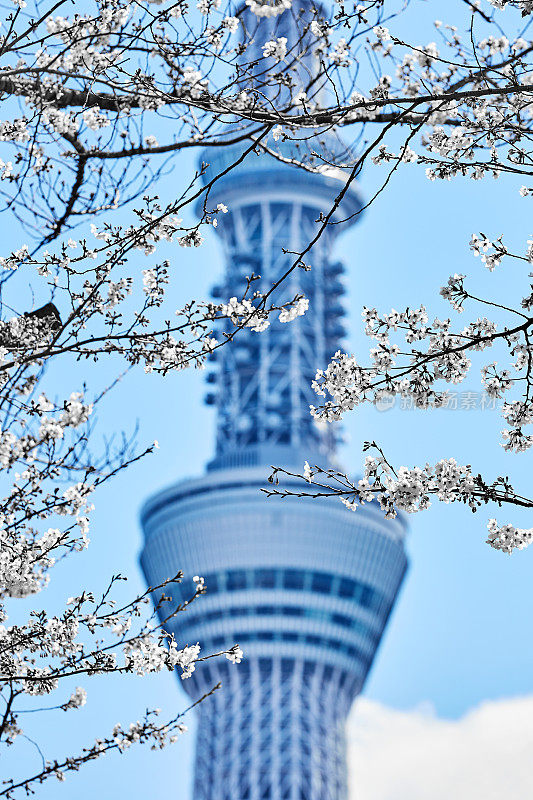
x: 448, y: 707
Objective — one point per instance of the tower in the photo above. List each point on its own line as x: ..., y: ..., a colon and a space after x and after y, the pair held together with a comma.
x: 305, y: 587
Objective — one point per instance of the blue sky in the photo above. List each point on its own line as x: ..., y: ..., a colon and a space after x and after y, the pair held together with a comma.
x: 459, y: 634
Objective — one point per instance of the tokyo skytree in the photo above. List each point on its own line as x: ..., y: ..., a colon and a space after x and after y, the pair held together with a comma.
x: 303, y: 586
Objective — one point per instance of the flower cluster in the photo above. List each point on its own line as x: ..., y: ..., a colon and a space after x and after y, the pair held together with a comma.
x: 418, y: 374
x: 480, y: 246
x: 144, y: 655
x: 298, y: 309
x: 409, y: 490
x: 508, y: 538
x: 276, y: 49
x: 268, y: 8
x: 244, y: 313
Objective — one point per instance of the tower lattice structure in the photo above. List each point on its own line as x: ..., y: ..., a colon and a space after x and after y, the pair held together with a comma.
x: 305, y: 587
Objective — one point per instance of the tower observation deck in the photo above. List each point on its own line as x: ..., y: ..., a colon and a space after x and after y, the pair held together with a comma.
x: 305, y: 587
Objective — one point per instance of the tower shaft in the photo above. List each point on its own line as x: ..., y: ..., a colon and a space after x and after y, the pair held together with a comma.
x: 252, y: 733
x: 262, y: 387
x: 305, y: 588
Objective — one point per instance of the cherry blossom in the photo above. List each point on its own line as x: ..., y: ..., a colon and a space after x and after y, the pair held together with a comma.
x: 86, y: 132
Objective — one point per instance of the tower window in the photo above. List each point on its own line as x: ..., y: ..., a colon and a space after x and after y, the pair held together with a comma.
x: 367, y: 597
x: 289, y: 636
x: 321, y: 582
x: 266, y: 611
x: 293, y: 579
x: 347, y: 587
x: 212, y: 583
x: 292, y: 611
x: 340, y: 619
x: 265, y: 578
x: 236, y: 579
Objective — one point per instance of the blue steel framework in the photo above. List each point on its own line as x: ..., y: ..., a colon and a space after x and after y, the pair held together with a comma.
x: 305, y: 588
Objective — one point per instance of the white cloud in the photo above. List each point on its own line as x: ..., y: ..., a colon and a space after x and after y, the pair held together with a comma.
x: 415, y: 755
